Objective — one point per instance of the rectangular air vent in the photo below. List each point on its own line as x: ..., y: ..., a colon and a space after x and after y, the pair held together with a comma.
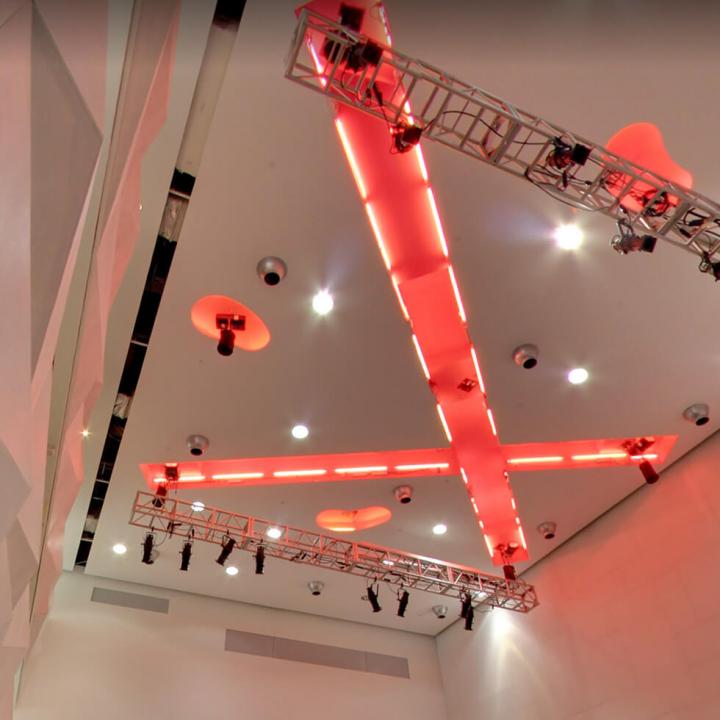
x: 316, y: 653
x: 130, y: 600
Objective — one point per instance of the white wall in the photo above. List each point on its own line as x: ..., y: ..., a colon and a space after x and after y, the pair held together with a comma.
x: 101, y: 661
x: 629, y: 626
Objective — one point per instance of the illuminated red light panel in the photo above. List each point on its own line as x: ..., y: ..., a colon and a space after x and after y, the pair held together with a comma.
x: 405, y: 220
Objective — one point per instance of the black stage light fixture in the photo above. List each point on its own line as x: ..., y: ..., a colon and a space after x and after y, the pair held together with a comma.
x: 469, y: 617
x: 260, y: 560
x: 406, y: 137
x: 562, y: 156
x: 185, y: 554
x: 627, y: 241
x: 227, y: 548
x: 372, y: 596
x: 160, y: 494
x: 227, y: 323
x: 509, y: 572
x: 648, y: 472
x: 466, y: 606
x: 148, y: 546
x: 403, y: 600
x: 710, y: 267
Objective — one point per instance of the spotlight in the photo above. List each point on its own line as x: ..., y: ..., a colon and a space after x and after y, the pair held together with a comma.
x: 466, y: 606
x: 227, y: 323
x: 406, y: 137
x: 469, y: 618
x: 160, y: 494
x: 403, y: 600
x: 148, y: 546
x: 509, y: 572
x: 648, y: 472
x: 627, y: 241
x: 440, y: 611
x: 698, y: 414
x: 548, y: 529
x: 227, y: 548
x: 562, y: 156
x: 372, y: 596
x: 186, y: 553
x: 526, y: 356
x: 260, y: 560
x: 707, y: 266
x: 638, y: 447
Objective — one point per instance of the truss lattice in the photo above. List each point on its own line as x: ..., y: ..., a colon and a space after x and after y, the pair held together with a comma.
x: 351, y: 69
x: 310, y: 548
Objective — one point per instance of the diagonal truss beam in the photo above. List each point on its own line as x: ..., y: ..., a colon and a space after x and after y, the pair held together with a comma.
x: 489, y: 129
x: 306, y: 547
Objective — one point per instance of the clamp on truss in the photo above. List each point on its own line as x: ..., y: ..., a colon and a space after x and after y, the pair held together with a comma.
x: 418, y: 100
x: 159, y: 513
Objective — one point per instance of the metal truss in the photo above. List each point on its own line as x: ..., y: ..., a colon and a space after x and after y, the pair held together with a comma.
x: 404, y: 92
x: 376, y: 564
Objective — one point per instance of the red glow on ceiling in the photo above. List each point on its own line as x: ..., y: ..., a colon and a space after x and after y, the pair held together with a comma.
x: 352, y: 520
x: 642, y: 144
x: 255, y: 336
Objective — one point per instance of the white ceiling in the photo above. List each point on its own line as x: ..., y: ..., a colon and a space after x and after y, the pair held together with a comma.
x: 273, y: 181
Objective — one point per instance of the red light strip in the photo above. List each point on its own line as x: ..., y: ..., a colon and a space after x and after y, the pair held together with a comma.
x: 307, y: 468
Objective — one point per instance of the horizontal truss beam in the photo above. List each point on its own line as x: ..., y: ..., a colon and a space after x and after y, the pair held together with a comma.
x: 375, y: 563
x: 487, y: 128
x: 402, y: 464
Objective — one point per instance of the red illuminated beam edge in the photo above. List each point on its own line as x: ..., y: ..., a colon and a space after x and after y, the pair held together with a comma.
x: 405, y: 220
x: 304, y: 468
x: 306, y: 547
x: 399, y: 464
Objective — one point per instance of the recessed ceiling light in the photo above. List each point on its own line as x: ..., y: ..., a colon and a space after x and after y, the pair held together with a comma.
x: 198, y: 506
x: 439, y: 529
x: 568, y: 237
x: 578, y: 376
x: 85, y: 432
x: 300, y: 432
x: 231, y: 570
x: 119, y: 549
x: 274, y: 532
x: 322, y: 302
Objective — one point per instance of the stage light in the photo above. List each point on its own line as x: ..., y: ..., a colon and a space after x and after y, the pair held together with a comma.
x: 227, y: 548
x: 160, y: 494
x: 274, y: 533
x: 405, y: 136
x: 197, y: 506
x: 372, y: 596
x: 260, y: 560
x: 148, y: 546
x: 466, y: 605
x: 85, y: 433
x: 439, y: 529
x: 627, y: 240
x: 469, y: 617
x: 186, y: 554
x: 119, y: 549
x: 578, y: 376
x: 231, y: 570
x: 562, y: 156
x: 227, y: 323
x: 707, y: 265
x: 648, y: 472
x: 403, y: 600
x: 568, y: 237
x: 323, y: 302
